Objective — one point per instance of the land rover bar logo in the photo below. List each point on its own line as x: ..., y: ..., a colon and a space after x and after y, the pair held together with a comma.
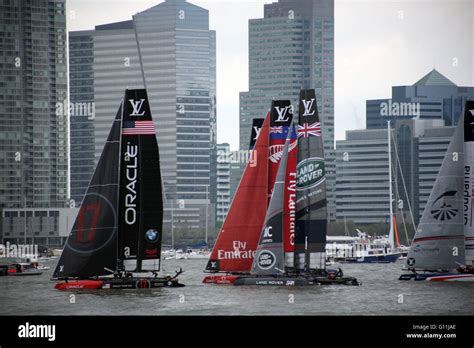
x: 442, y: 210
x: 310, y: 173
x: 266, y: 260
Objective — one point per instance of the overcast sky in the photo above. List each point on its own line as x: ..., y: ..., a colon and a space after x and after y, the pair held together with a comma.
x: 379, y: 44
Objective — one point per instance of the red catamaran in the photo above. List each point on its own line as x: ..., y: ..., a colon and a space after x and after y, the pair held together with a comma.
x: 233, y: 251
x: 237, y: 241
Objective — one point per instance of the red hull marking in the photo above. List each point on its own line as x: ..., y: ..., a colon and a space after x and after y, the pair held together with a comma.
x: 423, y: 239
x: 226, y: 279
x: 81, y: 284
x: 447, y: 278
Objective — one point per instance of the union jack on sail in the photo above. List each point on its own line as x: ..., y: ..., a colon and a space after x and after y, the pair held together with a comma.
x: 305, y: 130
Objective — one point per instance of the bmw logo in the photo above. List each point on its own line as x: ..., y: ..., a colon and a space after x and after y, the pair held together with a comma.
x: 152, y: 235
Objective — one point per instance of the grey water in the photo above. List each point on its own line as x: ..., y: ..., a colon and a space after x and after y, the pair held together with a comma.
x: 381, y: 293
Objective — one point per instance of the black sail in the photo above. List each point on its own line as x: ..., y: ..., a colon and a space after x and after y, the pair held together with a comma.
x: 256, y: 126
x: 91, y: 248
x: 140, y: 199
x: 311, y: 211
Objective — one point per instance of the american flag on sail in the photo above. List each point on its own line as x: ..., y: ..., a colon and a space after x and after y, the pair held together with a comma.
x: 305, y: 130
x: 138, y: 128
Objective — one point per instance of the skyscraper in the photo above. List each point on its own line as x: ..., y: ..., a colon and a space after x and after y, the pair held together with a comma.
x: 178, y: 53
x: 34, y: 168
x: 222, y: 177
x: 292, y: 48
x: 82, y: 111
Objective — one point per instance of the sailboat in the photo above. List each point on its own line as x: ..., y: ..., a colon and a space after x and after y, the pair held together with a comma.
x: 302, y: 261
x: 268, y: 267
x: 233, y: 252
x: 115, y: 242
x: 443, y: 246
x: 380, y: 249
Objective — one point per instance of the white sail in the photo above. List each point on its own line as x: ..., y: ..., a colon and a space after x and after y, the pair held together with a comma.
x: 469, y: 183
x: 439, y: 240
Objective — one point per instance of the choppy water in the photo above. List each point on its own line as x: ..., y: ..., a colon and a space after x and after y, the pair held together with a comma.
x: 379, y: 294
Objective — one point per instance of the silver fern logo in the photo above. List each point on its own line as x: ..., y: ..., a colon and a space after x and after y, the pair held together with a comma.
x: 442, y: 210
x: 275, y: 152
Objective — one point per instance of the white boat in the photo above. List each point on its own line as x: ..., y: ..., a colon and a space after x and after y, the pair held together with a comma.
x: 191, y: 254
x: 361, y: 249
x: 443, y: 246
x: 168, y: 254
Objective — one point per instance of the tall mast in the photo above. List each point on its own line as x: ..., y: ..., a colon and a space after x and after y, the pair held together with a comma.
x: 172, y: 225
x: 24, y: 212
x: 120, y: 264
x: 390, y: 235
x: 207, y: 210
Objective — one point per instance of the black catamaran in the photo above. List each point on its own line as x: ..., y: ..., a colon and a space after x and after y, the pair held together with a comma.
x: 118, y: 230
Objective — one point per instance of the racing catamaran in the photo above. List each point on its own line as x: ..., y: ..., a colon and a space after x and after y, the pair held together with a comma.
x: 291, y: 250
x: 115, y: 242
x: 443, y: 246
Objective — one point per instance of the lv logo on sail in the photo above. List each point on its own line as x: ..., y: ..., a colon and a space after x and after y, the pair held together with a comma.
x: 282, y: 113
x: 137, y: 106
x: 308, y: 105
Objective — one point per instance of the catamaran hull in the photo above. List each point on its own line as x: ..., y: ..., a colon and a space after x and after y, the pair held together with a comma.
x: 220, y: 279
x: 439, y: 277
x: 295, y: 281
x: 272, y: 281
x: 140, y: 283
x: 25, y: 273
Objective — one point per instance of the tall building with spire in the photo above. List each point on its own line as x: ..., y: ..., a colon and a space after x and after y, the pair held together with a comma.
x: 291, y: 48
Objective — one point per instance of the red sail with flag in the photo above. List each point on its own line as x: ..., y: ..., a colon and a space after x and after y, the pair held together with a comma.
x: 235, y: 246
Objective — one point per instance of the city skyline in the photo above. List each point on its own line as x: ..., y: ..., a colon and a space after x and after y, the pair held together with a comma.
x: 398, y: 43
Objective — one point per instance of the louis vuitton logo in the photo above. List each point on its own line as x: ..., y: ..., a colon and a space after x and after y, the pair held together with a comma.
x: 308, y: 105
x: 282, y: 113
x: 137, y: 106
